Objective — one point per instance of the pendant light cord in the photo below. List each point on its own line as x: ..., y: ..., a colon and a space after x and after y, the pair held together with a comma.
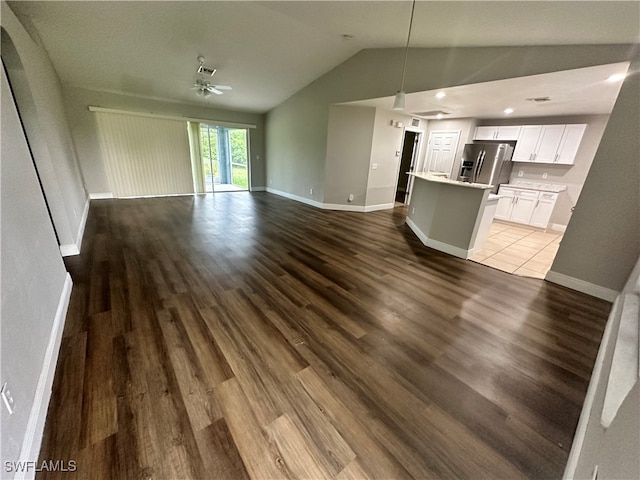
x: 406, y: 50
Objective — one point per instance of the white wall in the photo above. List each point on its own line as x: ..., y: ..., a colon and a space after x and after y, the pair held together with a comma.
x: 85, y: 131
x: 573, y: 176
x: 39, y: 93
x: 32, y: 285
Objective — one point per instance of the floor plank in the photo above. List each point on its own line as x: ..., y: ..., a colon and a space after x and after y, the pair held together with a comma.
x: 244, y: 335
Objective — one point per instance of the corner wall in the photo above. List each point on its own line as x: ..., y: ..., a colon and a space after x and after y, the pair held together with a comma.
x: 35, y: 290
x: 47, y: 129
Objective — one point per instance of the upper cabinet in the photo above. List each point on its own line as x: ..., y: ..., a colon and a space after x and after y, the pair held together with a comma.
x: 548, y: 143
x: 497, y: 133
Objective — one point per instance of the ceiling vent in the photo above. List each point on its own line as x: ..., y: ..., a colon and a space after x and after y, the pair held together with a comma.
x: 539, y: 99
x: 415, y: 122
x: 431, y: 113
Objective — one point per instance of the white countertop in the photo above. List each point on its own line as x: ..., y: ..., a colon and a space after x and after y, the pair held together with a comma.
x: 543, y: 187
x: 439, y: 179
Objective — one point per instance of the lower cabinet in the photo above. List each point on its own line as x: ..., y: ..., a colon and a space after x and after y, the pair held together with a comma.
x: 530, y: 207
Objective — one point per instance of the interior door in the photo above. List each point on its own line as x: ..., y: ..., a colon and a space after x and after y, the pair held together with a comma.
x: 441, y: 152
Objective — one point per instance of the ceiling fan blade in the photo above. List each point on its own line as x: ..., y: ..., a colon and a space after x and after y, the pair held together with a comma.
x: 222, y: 87
x: 215, y: 90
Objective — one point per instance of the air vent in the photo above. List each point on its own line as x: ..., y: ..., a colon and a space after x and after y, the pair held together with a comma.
x: 431, y: 113
x: 415, y: 122
x: 539, y: 99
x: 206, y: 70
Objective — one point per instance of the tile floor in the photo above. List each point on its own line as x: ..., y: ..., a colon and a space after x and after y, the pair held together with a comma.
x: 519, y: 249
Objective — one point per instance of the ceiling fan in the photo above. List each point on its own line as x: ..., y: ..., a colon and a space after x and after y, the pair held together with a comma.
x: 204, y: 87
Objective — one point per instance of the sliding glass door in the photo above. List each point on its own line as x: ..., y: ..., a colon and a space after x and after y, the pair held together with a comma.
x: 224, y: 158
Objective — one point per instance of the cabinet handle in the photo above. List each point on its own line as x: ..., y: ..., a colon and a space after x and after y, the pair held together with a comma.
x: 517, y: 198
x: 534, y: 156
x: 531, y: 157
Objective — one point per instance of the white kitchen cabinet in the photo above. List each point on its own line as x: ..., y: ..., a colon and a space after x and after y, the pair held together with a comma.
x: 570, y: 142
x: 505, y: 203
x: 530, y: 207
x: 526, y: 144
x: 548, y: 143
x: 523, y: 206
x: 497, y: 133
x: 543, y: 209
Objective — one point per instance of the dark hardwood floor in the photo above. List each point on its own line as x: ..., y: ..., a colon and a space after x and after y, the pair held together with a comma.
x: 245, y: 335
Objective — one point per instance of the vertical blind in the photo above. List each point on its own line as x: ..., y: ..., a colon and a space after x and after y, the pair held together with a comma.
x: 145, y: 155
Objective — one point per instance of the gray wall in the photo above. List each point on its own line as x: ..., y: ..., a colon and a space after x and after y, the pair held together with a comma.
x: 39, y: 95
x: 573, y: 176
x: 349, y: 143
x: 32, y: 278
x: 602, y: 240
x: 382, y: 182
x: 433, y: 206
x: 85, y: 133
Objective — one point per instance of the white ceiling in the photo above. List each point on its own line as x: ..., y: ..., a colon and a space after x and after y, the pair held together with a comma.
x: 571, y: 92
x: 269, y: 50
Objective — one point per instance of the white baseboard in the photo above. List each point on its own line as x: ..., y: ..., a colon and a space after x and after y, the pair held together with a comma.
x: 291, y: 196
x: 35, y: 426
x: 332, y: 206
x: 258, y: 189
x: 343, y: 208
x: 381, y: 206
x: 436, y: 245
x: 100, y: 196
x: 582, y: 286
x: 557, y: 227
x: 69, y: 249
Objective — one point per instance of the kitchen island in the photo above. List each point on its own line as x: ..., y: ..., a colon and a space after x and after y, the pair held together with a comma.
x: 451, y: 216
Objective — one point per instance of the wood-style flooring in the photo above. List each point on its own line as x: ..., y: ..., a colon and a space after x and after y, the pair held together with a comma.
x: 245, y: 335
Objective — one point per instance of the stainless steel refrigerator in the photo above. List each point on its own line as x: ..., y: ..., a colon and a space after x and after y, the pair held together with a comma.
x: 487, y: 163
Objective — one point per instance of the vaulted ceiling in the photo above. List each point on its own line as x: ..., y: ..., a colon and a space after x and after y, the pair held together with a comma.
x: 269, y: 50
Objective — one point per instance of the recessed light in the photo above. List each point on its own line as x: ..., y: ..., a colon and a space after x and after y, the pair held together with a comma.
x: 616, y: 77
x: 441, y: 95
x: 508, y: 111
x: 439, y: 116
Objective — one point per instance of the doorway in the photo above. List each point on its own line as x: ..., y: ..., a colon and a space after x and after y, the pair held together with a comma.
x: 225, y: 159
x: 408, y: 160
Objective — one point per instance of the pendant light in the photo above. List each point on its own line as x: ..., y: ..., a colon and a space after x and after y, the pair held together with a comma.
x: 398, y: 101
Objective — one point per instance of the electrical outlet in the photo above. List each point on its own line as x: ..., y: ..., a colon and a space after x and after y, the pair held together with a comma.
x: 544, y: 175
x: 413, y: 210
x: 7, y: 398
x: 351, y: 197
x: 520, y: 173
x: 374, y: 166
x: 311, y: 191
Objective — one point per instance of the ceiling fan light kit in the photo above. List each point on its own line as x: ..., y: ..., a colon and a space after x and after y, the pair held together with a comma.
x: 203, y: 87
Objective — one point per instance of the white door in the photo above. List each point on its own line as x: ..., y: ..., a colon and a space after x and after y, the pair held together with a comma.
x: 441, y: 151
